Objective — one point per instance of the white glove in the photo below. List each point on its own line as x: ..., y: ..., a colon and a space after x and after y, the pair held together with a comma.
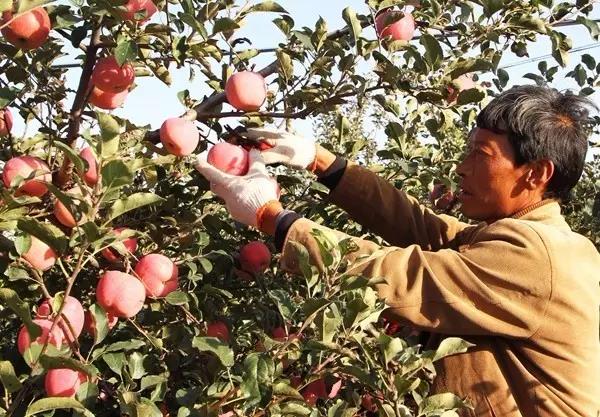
x: 291, y: 150
x: 243, y: 195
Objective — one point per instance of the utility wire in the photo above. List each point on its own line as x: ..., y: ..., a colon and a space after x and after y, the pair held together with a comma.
x: 539, y: 58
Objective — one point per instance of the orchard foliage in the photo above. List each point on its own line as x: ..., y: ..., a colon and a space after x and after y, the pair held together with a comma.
x: 307, y: 346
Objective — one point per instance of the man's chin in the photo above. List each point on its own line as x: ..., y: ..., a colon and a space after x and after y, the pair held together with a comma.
x: 472, y: 213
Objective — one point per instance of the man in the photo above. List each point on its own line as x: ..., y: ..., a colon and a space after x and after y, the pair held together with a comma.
x: 519, y: 284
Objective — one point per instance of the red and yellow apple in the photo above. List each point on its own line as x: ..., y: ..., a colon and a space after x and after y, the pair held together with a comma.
x: 40, y: 255
x: 120, y: 294
x: 463, y: 82
x: 314, y: 391
x: 6, y: 121
x: 90, y: 176
x: 134, y: 7
x: 63, y: 382
x: 107, y: 100
x: 29, y: 30
x: 246, y: 90
x: 55, y: 338
x: 398, y: 30
x: 111, y: 77
x: 24, y: 166
x: 219, y: 330
x: 158, y: 274
x: 62, y: 212
x: 179, y: 136
x: 229, y: 158
x: 72, y: 311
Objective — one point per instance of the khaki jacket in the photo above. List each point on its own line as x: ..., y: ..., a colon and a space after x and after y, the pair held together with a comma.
x: 525, y: 290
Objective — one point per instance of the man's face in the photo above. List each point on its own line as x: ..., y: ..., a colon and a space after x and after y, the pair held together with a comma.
x: 492, y: 185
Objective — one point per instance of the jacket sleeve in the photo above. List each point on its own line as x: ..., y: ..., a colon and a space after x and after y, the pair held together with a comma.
x: 499, y: 285
x: 391, y: 213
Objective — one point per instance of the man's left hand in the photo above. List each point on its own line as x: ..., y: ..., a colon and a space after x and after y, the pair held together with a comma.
x: 245, y: 195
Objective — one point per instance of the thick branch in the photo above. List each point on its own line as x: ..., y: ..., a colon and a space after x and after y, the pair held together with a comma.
x: 66, y: 169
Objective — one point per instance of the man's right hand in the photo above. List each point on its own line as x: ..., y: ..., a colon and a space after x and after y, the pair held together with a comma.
x: 286, y: 148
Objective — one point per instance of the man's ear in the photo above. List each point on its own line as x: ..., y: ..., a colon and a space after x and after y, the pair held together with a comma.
x: 539, y: 174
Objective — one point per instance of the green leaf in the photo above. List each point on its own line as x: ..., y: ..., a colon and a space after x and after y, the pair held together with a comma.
x: 351, y: 20
x: 25, y: 5
x: 390, y: 347
x: 116, y: 174
x: 132, y: 202
x: 267, y: 6
x: 286, y: 68
x: 54, y: 403
x: 439, y: 403
x: 592, y: 26
x: 472, y: 95
x: 109, y: 133
x: 529, y: 22
x: 72, y: 155
x: 177, y: 298
x: 57, y: 362
x: 224, y: 24
x: 8, y: 377
x: 135, y: 365
x: 126, y: 51
x: 4, y: 6
x: 115, y: 361
x: 22, y: 243
x: 100, y: 322
x: 281, y: 388
x: 11, y: 299
x: 214, y: 345
x: 388, y: 104
x: 451, y: 346
x: 46, y: 232
x: 433, y: 51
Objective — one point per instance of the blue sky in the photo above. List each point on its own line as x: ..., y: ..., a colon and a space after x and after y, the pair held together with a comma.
x: 152, y: 101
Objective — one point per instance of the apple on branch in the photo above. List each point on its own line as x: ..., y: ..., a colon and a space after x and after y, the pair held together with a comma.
x: 29, y: 30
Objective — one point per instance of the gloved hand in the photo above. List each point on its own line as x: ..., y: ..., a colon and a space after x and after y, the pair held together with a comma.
x: 288, y: 149
x: 246, y: 195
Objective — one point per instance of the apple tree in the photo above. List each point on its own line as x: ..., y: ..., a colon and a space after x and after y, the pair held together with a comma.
x: 126, y: 289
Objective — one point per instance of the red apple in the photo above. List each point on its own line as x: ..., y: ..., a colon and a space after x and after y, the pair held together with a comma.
x: 130, y: 244
x: 107, y: 100
x: 255, y: 257
x: 446, y: 201
x: 315, y: 390
x: 72, y: 310
x: 368, y: 403
x: 179, y: 136
x: 219, y: 330
x: 55, y: 338
x: 246, y: 90
x: 399, y: 30
x: 229, y: 158
x: 134, y: 7
x: 63, y: 214
x: 89, y: 324
x: 120, y: 294
x: 158, y: 274
x: 110, y: 77
x: 24, y: 166
x: 28, y: 31
x: 40, y: 255
x: 463, y: 82
x: 90, y: 176
x: 63, y: 382
x: 6, y: 121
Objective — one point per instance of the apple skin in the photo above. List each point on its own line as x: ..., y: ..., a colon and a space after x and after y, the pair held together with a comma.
x: 108, y: 76
x: 463, y: 82
x: 219, y: 330
x: 6, y: 121
x: 400, y: 30
x: 179, y: 136
x: 246, y: 90
x: 40, y: 255
x: 158, y: 274
x: 255, y: 257
x: 120, y: 294
x: 314, y: 391
x: 24, y: 166
x: 62, y: 213
x: 63, y: 382
x: 107, y: 100
x: 72, y: 310
x: 90, y: 176
x: 130, y: 244
x: 229, y: 158
x: 55, y: 338
x: 135, y: 6
x: 28, y: 31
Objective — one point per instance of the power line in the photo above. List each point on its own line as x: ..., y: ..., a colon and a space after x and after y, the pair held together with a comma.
x: 539, y: 58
